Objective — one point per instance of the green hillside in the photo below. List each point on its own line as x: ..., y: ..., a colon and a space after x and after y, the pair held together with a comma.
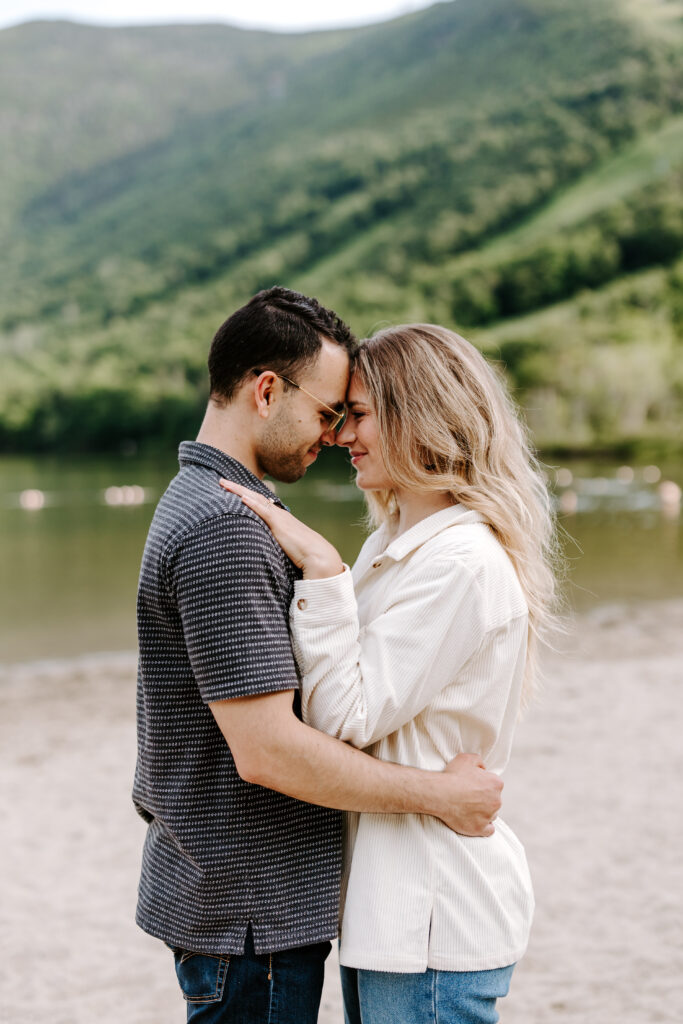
x: 513, y: 168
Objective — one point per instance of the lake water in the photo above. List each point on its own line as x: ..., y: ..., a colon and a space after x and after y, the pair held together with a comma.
x: 72, y: 533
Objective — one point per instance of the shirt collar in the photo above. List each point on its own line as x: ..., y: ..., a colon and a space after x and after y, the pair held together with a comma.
x: 429, y: 527
x: 195, y: 453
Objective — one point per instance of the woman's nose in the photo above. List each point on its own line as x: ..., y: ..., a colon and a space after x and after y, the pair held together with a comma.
x: 345, y: 436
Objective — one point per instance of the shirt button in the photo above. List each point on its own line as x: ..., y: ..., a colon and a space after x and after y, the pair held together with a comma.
x: 301, y: 603
x: 376, y: 565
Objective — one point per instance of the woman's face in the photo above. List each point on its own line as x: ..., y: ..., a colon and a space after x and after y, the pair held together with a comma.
x: 360, y: 435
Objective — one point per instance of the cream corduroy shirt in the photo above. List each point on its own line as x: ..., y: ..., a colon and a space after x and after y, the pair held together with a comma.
x: 416, y: 656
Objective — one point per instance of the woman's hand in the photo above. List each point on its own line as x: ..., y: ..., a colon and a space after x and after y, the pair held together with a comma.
x: 309, y: 550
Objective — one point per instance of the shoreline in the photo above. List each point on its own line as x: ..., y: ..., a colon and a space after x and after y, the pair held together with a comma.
x: 91, y: 662
x: 595, y: 772
x: 600, y: 617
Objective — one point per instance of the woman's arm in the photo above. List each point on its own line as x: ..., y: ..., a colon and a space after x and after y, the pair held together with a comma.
x: 362, y: 687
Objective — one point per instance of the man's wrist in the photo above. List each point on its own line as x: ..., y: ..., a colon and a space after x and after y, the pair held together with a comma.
x: 436, y: 794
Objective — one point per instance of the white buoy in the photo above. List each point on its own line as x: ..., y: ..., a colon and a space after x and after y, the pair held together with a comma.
x: 670, y: 498
x: 113, y: 496
x: 569, y: 503
x: 32, y: 499
x: 129, y: 494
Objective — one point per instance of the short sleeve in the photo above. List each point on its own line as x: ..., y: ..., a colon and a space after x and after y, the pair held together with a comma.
x: 233, y: 594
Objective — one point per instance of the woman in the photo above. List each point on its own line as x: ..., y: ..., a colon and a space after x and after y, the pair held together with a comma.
x: 427, y: 651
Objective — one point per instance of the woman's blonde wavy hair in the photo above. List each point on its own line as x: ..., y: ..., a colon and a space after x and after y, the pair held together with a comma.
x: 447, y: 423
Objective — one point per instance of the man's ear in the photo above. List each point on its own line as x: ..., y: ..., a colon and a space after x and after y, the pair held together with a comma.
x: 264, y: 391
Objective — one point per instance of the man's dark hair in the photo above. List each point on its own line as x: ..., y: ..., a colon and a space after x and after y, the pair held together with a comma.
x: 278, y: 330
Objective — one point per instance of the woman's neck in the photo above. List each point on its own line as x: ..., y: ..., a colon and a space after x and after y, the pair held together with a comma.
x: 414, y: 506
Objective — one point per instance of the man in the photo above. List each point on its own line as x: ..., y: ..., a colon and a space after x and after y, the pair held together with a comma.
x: 241, y: 864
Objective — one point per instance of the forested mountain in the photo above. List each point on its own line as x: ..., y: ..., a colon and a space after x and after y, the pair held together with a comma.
x: 512, y: 168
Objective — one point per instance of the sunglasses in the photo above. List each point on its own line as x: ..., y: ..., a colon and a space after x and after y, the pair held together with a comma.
x: 334, y: 417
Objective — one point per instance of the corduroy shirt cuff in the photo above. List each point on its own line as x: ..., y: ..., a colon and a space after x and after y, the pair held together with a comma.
x: 324, y: 601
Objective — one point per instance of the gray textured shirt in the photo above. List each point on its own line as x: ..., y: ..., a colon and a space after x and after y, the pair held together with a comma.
x: 220, y: 853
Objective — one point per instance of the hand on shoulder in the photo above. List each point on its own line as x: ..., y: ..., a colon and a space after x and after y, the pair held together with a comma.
x: 310, y: 551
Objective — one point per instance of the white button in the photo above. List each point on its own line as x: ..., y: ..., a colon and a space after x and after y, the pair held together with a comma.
x: 376, y: 565
x: 301, y: 603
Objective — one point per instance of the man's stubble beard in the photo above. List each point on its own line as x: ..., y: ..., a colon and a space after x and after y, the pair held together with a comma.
x: 278, y: 455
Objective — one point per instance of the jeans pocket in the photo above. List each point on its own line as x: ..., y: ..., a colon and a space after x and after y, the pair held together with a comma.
x: 201, y: 976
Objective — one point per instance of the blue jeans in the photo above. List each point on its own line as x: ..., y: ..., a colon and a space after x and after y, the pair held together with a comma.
x: 434, y: 997
x: 250, y: 988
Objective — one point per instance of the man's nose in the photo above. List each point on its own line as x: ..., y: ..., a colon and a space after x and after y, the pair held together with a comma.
x: 328, y: 438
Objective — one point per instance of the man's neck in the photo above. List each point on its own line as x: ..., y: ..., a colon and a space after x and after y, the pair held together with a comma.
x: 223, y: 428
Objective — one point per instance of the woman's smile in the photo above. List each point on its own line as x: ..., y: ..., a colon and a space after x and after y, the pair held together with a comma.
x: 361, y: 428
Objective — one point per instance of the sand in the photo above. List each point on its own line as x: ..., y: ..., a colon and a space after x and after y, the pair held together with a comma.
x: 593, y: 792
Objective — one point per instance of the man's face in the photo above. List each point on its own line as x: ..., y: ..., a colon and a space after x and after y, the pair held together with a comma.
x: 293, y: 436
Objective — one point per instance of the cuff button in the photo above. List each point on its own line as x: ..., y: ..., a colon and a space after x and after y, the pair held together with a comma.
x: 301, y: 603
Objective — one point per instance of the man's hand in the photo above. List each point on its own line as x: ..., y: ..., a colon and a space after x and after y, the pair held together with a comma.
x: 470, y: 795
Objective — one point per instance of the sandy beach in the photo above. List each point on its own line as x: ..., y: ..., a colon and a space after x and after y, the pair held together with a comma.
x: 593, y: 791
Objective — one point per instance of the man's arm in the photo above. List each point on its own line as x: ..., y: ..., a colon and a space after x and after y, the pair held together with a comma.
x: 234, y: 607
x: 272, y: 748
